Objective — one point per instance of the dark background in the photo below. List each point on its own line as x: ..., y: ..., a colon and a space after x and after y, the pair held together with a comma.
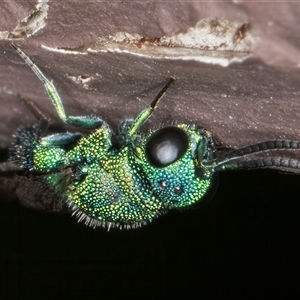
x: 243, y: 244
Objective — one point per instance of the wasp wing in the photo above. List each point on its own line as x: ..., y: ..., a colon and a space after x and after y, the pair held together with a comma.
x: 33, y: 189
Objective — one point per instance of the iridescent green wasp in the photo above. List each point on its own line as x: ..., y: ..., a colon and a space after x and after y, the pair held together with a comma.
x: 124, y: 185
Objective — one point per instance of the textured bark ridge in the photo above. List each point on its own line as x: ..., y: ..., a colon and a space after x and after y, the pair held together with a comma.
x: 236, y: 64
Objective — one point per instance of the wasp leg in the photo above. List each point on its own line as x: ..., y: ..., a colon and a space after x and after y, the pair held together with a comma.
x: 43, y: 122
x: 60, y: 139
x: 33, y: 109
x: 145, y: 114
x: 79, y: 121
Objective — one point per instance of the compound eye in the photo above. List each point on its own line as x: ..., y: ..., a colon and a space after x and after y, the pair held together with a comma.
x: 166, y: 146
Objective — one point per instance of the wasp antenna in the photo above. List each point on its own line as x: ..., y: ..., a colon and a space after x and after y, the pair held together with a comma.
x: 234, y: 155
x: 280, y: 163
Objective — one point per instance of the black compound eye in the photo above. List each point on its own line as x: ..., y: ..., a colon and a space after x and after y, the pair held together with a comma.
x: 166, y: 146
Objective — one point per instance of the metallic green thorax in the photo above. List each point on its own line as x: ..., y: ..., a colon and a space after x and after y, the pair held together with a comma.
x: 104, y: 184
x: 121, y: 187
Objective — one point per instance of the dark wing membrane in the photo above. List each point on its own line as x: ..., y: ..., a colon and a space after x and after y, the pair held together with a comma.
x: 33, y: 190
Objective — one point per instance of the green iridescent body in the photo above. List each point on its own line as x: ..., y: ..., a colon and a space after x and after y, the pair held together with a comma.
x: 109, y: 185
x: 122, y: 187
x: 112, y: 187
x: 127, y: 184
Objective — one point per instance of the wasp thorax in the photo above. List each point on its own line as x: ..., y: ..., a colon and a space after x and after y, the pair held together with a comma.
x: 166, y: 146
